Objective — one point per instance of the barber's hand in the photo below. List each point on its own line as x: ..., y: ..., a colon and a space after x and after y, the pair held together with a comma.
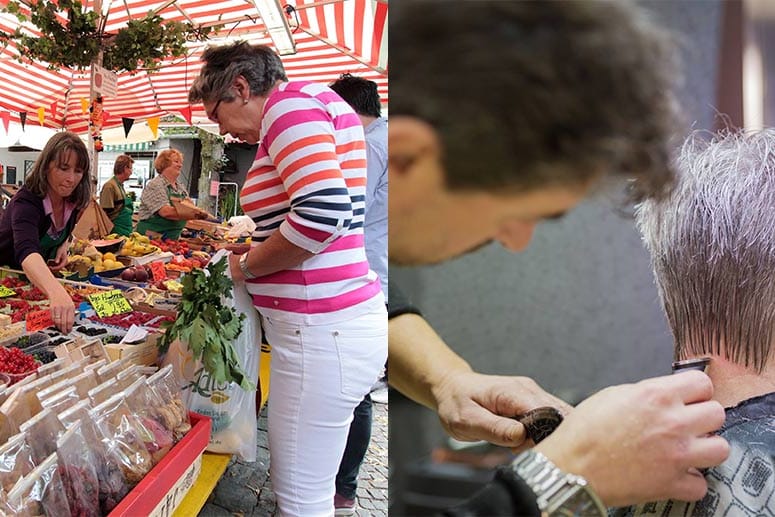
x: 60, y: 260
x: 643, y: 442
x: 469, y: 405
x: 62, y: 310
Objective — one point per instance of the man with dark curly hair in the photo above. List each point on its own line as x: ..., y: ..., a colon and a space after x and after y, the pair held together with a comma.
x: 504, y: 114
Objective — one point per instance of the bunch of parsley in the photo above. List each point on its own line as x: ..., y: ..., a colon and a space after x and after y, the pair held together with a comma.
x: 207, y: 326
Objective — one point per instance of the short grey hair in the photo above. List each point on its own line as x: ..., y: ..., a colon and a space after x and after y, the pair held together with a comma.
x: 258, y: 64
x: 712, y: 245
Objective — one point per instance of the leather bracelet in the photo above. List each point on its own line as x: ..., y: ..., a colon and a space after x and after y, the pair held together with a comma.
x: 243, y: 266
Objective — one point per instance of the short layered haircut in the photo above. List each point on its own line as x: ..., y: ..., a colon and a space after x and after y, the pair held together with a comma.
x: 164, y: 159
x: 712, y: 245
x: 122, y: 162
x: 55, y: 150
x: 527, y: 95
x: 258, y: 64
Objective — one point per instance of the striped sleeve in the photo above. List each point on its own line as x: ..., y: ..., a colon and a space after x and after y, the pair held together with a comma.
x: 301, y: 143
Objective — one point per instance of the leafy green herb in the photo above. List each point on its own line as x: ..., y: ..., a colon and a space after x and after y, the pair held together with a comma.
x: 207, y: 326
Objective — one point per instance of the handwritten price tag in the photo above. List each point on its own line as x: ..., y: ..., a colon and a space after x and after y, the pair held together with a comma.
x: 38, y: 320
x: 157, y: 271
x: 5, y: 292
x: 109, y: 303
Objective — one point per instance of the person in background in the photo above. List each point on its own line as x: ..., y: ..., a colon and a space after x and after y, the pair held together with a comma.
x: 713, y: 253
x: 114, y: 200
x: 362, y: 95
x: 36, y: 227
x: 482, y: 146
x: 322, y: 308
x: 157, y: 213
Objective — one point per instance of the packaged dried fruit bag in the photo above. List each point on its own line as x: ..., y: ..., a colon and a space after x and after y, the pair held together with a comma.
x: 127, y: 459
x: 174, y: 410
x: 42, y: 432
x: 145, y: 403
x: 41, y: 492
x: 15, y: 461
x: 78, y: 469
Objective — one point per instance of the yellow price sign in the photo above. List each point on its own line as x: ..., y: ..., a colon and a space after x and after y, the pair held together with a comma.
x: 110, y: 303
x: 5, y: 292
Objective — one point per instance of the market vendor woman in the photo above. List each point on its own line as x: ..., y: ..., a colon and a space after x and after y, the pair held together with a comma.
x: 114, y: 199
x: 157, y: 212
x: 38, y: 221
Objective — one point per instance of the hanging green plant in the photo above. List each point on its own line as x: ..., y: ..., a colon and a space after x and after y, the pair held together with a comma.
x: 142, y: 44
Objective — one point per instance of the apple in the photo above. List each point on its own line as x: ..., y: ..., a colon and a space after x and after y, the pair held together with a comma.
x: 128, y: 274
x: 141, y: 275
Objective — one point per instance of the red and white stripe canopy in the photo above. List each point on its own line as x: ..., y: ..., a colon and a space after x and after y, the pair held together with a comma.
x: 333, y: 37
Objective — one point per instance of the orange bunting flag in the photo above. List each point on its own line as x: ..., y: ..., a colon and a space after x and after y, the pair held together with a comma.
x: 84, y: 106
x: 6, y: 117
x: 186, y: 112
x: 153, y: 123
x: 41, y: 115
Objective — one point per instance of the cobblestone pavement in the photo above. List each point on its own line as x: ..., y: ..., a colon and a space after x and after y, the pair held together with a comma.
x: 245, y: 489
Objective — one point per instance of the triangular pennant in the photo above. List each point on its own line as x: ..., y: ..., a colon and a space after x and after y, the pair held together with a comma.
x: 153, y: 123
x: 6, y: 117
x: 41, y: 115
x: 23, y: 118
x: 105, y: 117
x: 186, y: 112
x: 128, y: 123
x: 84, y: 106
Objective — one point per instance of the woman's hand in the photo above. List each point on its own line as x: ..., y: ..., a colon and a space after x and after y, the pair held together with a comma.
x: 62, y: 309
x: 60, y: 260
x: 236, y: 272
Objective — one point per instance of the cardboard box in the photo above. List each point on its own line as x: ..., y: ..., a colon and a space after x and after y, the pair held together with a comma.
x: 162, y: 489
x: 144, y: 354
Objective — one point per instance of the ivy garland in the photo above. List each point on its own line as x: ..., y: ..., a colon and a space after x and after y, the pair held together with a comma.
x: 142, y: 44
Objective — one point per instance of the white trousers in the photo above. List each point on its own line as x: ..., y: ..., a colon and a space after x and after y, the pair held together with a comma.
x: 318, y: 375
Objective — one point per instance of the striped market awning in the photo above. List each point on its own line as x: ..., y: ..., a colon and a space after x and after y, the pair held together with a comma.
x: 332, y: 37
x: 124, y: 148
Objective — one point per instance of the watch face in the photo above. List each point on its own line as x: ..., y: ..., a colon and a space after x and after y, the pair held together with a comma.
x: 540, y: 422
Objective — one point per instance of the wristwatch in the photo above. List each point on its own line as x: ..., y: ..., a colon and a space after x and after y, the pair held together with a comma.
x: 243, y: 266
x: 558, y: 493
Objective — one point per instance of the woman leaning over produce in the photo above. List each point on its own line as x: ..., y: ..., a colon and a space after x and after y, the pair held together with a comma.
x: 321, y: 306
x: 38, y: 221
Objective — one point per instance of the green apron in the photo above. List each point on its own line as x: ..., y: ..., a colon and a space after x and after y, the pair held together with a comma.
x: 122, y: 224
x: 156, y: 223
x: 49, y: 246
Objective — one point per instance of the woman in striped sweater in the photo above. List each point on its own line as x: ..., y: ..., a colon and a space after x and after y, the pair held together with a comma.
x: 321, y: 306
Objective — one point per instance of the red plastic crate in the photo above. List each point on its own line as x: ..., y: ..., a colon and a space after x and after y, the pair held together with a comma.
x: 154, y: 487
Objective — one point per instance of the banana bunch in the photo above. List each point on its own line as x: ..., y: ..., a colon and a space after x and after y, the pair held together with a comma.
x: 137, y: 245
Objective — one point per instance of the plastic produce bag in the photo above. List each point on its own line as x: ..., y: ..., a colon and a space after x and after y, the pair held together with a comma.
x: 143, y: 403
x: 172, y: 413
x: 42, y: 432
x: 78, y: 469
x: 232, y: 409
x: 15, y: 461
x: 126, y: 459
x: 41, y: 492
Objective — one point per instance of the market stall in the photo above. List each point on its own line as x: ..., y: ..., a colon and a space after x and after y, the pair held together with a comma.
x: 129, y: 292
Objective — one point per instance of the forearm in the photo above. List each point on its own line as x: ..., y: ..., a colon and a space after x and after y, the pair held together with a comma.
x: 169, y: 212
x: 40, y: 275
x: 419, y: 361
x: 275, y: 254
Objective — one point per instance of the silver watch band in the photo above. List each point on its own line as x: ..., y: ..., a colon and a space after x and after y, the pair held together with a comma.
x: 557, y: 493
x: 243, y: 266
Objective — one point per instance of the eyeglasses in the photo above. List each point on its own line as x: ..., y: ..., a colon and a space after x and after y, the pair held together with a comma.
x: 214, y: 114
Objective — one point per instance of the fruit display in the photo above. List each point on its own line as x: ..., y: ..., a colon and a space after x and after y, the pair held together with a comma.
x: 15, y: 362
x: 136, y: 274
x: 137, y: 245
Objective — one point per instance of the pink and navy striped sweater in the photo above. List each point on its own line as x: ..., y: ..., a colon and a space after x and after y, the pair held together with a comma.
x: 308, y: 182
